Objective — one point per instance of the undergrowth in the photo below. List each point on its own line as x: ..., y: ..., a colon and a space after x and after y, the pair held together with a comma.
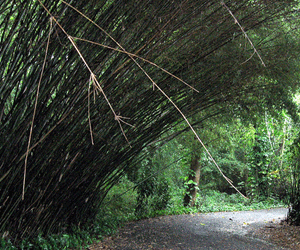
x: 120, y: 209
x: 215, y: 201
x: 105, y: 224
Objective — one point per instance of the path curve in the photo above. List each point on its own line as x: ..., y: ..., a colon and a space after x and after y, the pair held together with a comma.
x: 222, y: 230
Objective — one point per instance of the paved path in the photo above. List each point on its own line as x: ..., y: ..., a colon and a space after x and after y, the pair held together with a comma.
x: 224, y: 230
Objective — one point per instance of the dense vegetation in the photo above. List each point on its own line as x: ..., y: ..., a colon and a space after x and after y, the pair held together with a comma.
x: 97, y: 95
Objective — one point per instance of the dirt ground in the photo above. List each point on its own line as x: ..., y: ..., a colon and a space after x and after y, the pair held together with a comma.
x: 281, y: 234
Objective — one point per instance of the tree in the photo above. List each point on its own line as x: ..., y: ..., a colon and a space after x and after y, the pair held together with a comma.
x: 294, y: 211
x: 254, y: 158
x: 268, y: 172
x: 70, y: 130
x: 192, y: 181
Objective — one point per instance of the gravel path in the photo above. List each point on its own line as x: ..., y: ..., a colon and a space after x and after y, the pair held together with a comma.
x: 223, y: 230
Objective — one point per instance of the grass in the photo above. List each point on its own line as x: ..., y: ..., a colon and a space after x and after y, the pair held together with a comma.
x: 120, y: 209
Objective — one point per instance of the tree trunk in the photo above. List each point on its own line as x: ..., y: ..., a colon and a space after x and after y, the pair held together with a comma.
x: 191, y: 192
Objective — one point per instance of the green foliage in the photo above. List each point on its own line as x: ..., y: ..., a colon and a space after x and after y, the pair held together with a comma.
x: 106, y: 223
x: 121, y: 200
x: 254, y: 158
x: 269, y: 173
x: 152, y: 189
x: 214, y: 201
x: 229, y: 144
x: 79, y: 149
x: 294, y: 195
x: 6, y: 245
x: 258, y: 179
x: 79, y: 240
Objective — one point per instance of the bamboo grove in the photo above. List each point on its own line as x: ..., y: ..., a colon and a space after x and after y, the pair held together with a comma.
x: 86, y: 85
